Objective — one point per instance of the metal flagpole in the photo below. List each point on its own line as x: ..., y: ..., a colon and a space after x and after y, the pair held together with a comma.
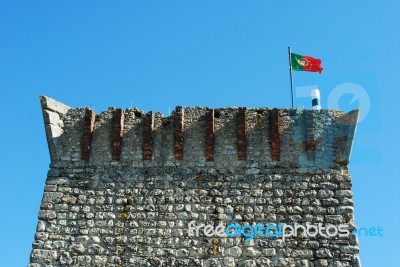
x: 291, y: 78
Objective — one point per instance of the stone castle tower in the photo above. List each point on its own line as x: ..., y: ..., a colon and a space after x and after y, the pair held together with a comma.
x: 125, y: 187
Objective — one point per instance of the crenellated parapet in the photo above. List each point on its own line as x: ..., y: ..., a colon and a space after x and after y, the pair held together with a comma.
x: 195, y: 135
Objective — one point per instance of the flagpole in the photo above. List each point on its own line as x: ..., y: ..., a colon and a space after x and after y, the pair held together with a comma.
x: 291, y: 78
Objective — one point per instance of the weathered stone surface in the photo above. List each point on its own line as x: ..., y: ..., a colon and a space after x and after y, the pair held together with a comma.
x: 43, y: 256
x: 323, y: 253
x: 53, y: 105
x: 235, y: 252
x: 302, y: 253
x: 251, y: 252
x: 47, y: 214
x: 50, y: 117
x: 128, y: 202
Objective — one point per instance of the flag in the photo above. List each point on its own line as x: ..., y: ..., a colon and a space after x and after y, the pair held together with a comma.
x: 305, y: 63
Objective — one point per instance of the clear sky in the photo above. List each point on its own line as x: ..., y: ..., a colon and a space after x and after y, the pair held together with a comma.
x: 155, y: 55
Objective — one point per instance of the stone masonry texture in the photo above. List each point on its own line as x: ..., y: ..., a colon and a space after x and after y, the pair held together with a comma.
x: 124, y: 184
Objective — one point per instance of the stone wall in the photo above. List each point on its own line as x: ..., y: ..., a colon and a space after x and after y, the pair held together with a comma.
x: 123, y: 186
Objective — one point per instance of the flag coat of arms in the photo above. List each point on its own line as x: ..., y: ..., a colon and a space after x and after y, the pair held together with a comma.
x: 305, y: 63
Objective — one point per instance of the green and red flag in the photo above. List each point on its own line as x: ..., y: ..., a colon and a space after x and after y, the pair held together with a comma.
x: 305, y: 63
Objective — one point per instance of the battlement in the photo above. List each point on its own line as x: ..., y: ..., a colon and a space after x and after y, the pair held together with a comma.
x: 124, y: 186
x: 198, y: 136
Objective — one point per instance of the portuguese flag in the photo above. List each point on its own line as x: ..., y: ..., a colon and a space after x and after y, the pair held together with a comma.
x: 305, y: 63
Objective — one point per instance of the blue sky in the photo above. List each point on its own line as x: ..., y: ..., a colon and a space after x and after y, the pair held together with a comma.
x: 158, y: 54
